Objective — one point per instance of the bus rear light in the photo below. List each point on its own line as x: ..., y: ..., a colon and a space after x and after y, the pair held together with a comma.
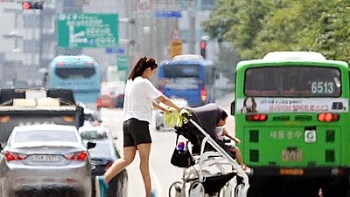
x: 160, y: 89
x: 328, y: 117
x: 256, y: 117
x: 90, y: 63
x: 204, y: 94
x: 338, y: 171
x: 99, y: 103
x: 60, y: 64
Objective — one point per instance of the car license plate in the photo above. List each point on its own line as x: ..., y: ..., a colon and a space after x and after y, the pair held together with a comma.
x: 45, y: 158
x: 291, y: 155
x: 291, y: 171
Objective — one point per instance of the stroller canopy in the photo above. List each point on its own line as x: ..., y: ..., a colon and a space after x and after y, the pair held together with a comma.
x: 206, y: 117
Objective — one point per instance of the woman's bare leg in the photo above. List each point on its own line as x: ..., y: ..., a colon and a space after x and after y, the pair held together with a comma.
x: 144, y: 152
x: 120, y: 164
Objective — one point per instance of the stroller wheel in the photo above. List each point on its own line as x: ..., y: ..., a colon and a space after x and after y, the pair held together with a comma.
x: 196, y: 189
x: 175, y: 189
x: 226, y: 191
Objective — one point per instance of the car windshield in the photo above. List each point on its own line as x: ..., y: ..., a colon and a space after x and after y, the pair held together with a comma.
x: 89, y: 117
x: 45, y: 136
x: 181, y: 77
x: 103, y: 150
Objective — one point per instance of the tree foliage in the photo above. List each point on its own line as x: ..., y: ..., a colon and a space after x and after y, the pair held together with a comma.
x: 256, y: 27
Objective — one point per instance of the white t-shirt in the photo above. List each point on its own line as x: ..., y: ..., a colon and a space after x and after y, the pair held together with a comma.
x: 218, y: 131
x: 139, y: 95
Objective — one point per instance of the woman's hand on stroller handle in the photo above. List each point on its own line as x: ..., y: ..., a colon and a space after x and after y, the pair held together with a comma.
x: 171, y: 110
x: 185, y: 115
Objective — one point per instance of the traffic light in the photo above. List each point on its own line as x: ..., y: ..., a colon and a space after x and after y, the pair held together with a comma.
x: 27, y: 5
x: 203, y: 45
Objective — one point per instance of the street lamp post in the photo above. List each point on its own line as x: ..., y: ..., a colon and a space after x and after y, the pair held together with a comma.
x: 192, y: 26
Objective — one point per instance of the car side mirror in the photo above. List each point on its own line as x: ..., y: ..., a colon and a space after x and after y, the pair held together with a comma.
x: 233, y: 107
x: 81, y: 116
x: 91, y: 145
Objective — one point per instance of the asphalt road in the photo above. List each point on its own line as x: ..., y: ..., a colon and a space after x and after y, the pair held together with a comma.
x: 162, y: 171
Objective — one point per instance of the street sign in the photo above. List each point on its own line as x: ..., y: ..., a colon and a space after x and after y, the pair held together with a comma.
x: 122, y: 62
x: 176, y: 47
x: 115, y: 50
x: 87, y: 30
x: 167, y: 14
x: 144, y: 4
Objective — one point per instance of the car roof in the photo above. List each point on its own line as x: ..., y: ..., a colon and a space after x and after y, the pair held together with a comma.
x: 44, y: 127
x: 93, y: 132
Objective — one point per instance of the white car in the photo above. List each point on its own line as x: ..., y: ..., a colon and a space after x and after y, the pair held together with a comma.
x: 45, y: 158
x: 103, y: 156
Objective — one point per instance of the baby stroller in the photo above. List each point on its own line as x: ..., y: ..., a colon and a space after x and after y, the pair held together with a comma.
x: 213, y: 172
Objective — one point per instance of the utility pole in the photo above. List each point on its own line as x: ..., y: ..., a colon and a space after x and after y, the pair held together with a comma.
x: 192, y: 27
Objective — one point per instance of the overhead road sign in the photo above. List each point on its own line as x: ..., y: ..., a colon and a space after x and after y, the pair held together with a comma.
x: 115, y: 50
x: 87, y: 30
x: 122, y: 62
x: 167, y: 14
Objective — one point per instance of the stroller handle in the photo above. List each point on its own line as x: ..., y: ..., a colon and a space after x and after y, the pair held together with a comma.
x: 186, y: 116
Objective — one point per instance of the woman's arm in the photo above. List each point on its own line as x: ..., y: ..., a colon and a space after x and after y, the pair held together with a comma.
x: 159, y: 107
x: 229, y: 135
x: 168, y: 102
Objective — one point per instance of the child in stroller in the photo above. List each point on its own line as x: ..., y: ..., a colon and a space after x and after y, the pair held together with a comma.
x: 222, y: 132
x: 213, y: 159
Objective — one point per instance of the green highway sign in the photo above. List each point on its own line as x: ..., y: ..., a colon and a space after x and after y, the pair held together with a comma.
x: 87, y: 30
x: 122, y: 62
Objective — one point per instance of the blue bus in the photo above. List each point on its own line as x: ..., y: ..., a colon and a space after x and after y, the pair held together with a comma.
x: 79, y: 73
x: 189, y: 77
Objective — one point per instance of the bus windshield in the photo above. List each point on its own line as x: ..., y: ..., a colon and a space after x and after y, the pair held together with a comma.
x: 182, y: 77
x: 75, y: 73
x: 189, y: 77
x: 80, y: 73
x: 293, y: 81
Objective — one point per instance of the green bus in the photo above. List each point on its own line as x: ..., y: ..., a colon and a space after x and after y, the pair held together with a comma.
x: 291, y: 113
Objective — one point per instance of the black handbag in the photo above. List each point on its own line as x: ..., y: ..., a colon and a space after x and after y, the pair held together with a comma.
x: 182, y: 158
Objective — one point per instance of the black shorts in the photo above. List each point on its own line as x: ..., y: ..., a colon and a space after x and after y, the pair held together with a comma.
x: 136, y: 132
